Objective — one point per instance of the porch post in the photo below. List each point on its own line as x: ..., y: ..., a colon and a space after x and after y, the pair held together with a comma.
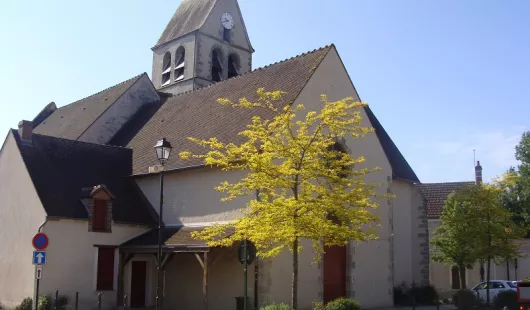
x: 205, y: 281
x: 120, y: 279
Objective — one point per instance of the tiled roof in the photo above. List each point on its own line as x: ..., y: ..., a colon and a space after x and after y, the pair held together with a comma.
x: 190, y: 16
x: 71, y: 121
x: 436, y: 194
x: 61, y: 168
x: 173, y: 237
x: 198, y: 114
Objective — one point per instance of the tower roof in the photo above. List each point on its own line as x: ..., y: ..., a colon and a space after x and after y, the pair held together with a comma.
x: 190, y: 16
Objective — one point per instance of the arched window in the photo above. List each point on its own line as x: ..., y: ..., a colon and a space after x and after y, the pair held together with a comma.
x: 233, y: 65
x: 179, y: 64
x: 166, y: 69
x: 217, y: 66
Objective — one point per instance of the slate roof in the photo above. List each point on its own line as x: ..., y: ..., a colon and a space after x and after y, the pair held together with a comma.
x: 436, y: 194
x: 61, y: 168
x: 173, y: 237
x: 190, y: 16
x: 197, y: 114
x: 400, y: 167
x: 72, y: 120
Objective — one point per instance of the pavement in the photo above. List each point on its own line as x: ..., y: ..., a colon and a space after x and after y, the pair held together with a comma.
x: 441, y: 307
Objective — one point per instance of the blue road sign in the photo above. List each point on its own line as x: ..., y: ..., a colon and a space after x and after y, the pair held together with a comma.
x: 39, y: 257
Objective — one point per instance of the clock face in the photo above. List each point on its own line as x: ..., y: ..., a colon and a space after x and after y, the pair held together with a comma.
x: 227, y: 21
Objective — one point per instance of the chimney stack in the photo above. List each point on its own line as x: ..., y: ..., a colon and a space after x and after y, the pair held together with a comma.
x: 25, y: 130
x: 478, y: 173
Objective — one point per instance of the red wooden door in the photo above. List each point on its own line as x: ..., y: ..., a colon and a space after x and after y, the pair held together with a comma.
x: 334, y: 272
x: 138, y: 281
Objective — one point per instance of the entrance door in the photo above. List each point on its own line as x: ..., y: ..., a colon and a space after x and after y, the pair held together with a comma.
x: 138, y: 281
x: 334, y: 272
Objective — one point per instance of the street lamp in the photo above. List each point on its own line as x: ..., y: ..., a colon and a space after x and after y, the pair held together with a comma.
x: 163, y: 149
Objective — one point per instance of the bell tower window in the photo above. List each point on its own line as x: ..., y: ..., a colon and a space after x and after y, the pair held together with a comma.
x: 233, y: 65
x: 217, y: 67
x: 179, y: 64
x: 166, y: 69
x: 226, y: 34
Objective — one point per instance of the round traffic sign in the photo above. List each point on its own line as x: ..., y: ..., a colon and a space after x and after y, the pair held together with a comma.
x: 40, y: 241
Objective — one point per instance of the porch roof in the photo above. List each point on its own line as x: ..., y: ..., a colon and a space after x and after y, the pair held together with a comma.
x: 174, y: 239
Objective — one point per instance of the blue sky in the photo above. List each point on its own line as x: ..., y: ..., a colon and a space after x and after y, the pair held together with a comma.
x: 443, y: 77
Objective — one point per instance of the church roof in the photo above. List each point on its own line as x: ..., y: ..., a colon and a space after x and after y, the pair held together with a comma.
x: 436, y: 194
x: 197, y: 114
x: 71, y: 121
x: 60, y: 169
x: 190, y: 16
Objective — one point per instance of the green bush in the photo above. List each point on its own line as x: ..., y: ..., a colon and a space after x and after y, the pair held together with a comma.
x: 26, y: 304
x: 425, y: 295
x: 465, y: 299
x: 277, y: 307
x: 47, y: 302
x: 506, y: 298
x: 401, y: 297
x: 343, y: 304
x: 318, y: 306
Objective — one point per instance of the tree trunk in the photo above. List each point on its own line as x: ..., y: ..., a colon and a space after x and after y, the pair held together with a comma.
x: 488, y: 281
x: 462, y: 276
x: 294, y: 297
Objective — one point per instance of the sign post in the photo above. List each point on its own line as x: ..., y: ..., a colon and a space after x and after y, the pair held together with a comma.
x: 40, y: 243
x: 246, y: 255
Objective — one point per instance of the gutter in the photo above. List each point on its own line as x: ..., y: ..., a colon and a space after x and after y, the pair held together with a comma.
x: 42, y: 225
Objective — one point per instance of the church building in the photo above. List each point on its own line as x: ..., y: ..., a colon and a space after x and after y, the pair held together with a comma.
x: 85, y: 174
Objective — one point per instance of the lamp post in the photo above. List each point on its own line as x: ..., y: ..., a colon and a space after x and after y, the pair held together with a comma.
x: 163, y: 149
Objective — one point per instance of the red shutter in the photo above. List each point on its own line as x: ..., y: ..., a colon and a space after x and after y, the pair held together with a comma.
x: 105, y: 269
x: 99, y: 218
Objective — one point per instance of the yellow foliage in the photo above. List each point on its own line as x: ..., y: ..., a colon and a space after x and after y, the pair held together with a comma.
x: 307, y: 187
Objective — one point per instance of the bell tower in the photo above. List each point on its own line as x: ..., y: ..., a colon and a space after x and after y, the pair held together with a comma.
x: 205, y: 42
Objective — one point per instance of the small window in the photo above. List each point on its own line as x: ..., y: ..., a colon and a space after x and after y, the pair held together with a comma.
x: 179, y: 64
x: 226, y: 34
x: 100, y: 215
x: 233, y: 66
x: 166, y: 69
x: 217, y: 67
x: 105, y: 271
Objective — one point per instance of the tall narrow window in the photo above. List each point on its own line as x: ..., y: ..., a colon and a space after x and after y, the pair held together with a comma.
x: 166, y: 69
x: 217, y: 67
x: 100, y: 215
x: 233, y: 66
x: 105, y: 271
x: 226, y: 34
x: 179, y: 64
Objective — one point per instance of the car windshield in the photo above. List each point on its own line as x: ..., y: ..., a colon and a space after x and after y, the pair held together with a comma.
x: 512, y: 284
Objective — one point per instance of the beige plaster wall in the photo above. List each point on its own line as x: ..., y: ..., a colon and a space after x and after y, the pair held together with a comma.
x: 212, y: 26
x: 183, y: 280
x: 411, y: 249
x: 370, y: 274
x: 72, y: 260
x: 190, y: 196
x: 21, y: 213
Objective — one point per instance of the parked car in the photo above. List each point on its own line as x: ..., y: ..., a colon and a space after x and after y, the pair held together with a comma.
x: 496, y: 286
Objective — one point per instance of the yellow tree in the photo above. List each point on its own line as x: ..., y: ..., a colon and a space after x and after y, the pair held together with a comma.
x: 309, y: 187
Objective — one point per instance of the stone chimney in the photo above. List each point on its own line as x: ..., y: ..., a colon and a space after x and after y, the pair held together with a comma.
x: 478, y: 173
x: 25, y: 130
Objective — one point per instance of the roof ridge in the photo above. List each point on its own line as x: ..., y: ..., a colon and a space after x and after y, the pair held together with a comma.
x: 256, y: 70
x: 103, y: 90
x: 84, y: 142
x: 448, y: 182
